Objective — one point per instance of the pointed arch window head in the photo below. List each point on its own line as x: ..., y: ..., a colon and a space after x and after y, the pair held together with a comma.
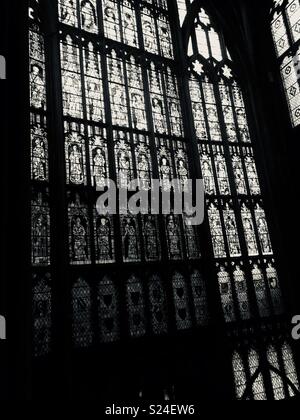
x: 285, y: 27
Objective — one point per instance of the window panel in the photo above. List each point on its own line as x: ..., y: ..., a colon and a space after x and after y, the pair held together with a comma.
x: 79, y: 231
x: 239, y: 375
x: 174, y: 106
x: 112, y: 24
x: 289, y: 71
x: 151, y: 237
x: 258, y: 388
x: 130, y: 238
x: 68, y: 13
x: 136, y: 94
x: 40, y: 228
x: 199, y: 291
x: 118, y: 95
x: 293, y: 13
x: 37, y: 68
x: 280, y: 34
x: 274, y: 285
x: 242, y: 292
x: 249, y: 230
x: 290, y: 367
x: 99, y: 163
x: 136, y: 307
x: 216, y: 232
x: 181, y: 299
x: 165, y: 164
x: 143, y: 161
x: 174, y: 237
x: 277, y: 382
x: 104, y: 238
x: 211, y: 110
x: 42, y: 315
x: 130, y: 36
x: 75, y: 152
x: 108, y: 311
x: 165, y: 37
x: 232, y: 232
x: 207, y: 170
x: 198, y: 110
x: 226, y: 295
x: 93, y: 84
x: 39, y: 149
x: 158, y: 305
x: 263, y: 231
x: 81, y: 305
x: 157, y: 100
x: 71, y: 78
x: 260, y: 291
x: 124, y: 160
x: 221, y: 170
x: 239, y: 175
x: 149, y: 31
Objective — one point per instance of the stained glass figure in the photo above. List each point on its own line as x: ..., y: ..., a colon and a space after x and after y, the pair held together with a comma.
x: 104, y: 239
x: 68, y: 12
x: 232, y: 232
x: 182, y: 165
x: 252, y: 173
x: 242, y: 292
x: 71, y: 78
x: 39, y: 149
x: 82, y: 323
x: 93, y: 84
x: 129, y: 23
x: 263, y: 231
x: 221, y: 169
x: 75, y: 157
x: 151, y: 238
x: 118, y: 95
x: 216, y: 231
x: 174, y: 106
x: 136, y: 307
x: 99, y: 165
x: 149, y: 31
x: 108, y: 311
x: 157, y: 100
x: 173, y: 230
x: 165, y: 37
x: 260, y: 290
x: 40, y: 229
x: 198, y: 109
x: 89, y: 18
x: 112, y: 24
x: 199, y: 292
x: 166, y: 170
x: 274, y: 286
x: 130, y: 238
x: 211, y: 110
x: 158, y: 305
x: 238, y: 170
x: 37, y: 68
x: 143, y: 163
x: 226, y: 295
x: 249, y: 231
x: 42, y: 315
x: 207, y: 170
x: 136, y: 94
x: 124, y: 161
x: 79, y: 232
x: 181, y: 302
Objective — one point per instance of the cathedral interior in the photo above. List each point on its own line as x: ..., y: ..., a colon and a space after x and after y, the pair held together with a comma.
x: 147, y: 307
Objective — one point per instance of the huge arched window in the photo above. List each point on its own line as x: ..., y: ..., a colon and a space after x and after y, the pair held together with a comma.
x: 125, y: 106
x: 286, y: 33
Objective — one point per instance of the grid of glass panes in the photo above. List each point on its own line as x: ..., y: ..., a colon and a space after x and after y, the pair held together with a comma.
x: 286, y: 34
x: 40, y: 198
x: 105, y: 81
x: 238, y: 222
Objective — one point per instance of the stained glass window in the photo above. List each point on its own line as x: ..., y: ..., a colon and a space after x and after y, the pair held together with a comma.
x: 277, y: 382
x: 286, y: 33
x: 240, y: 378
x: 290, y: 368
x: 258, y: 388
